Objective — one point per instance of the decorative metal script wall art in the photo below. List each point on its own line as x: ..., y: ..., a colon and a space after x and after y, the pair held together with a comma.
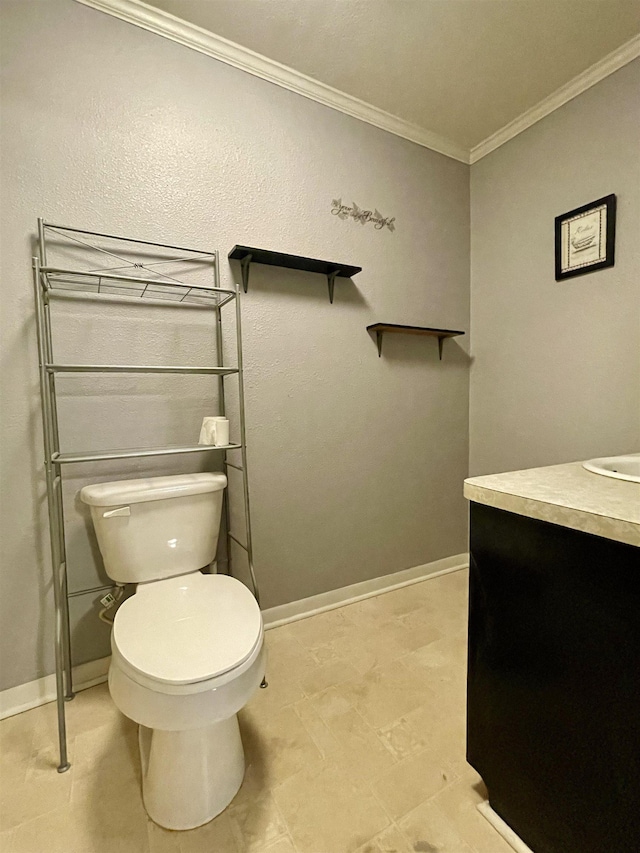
x: 344, y: 211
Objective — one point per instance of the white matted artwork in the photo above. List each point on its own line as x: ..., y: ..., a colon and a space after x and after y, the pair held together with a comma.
x: 585, y: 238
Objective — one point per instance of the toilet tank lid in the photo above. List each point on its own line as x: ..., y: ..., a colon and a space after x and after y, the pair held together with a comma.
x: 151, y: 489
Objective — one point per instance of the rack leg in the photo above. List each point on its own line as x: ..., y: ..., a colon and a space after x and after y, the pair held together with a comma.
x: 60, y: 696
x: 226, y: 512
x: 56, y: 531
x: 66, y: 640
x: 227, y: 522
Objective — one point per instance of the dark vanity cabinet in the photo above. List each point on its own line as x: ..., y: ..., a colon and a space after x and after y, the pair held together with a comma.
x: 554, y: 682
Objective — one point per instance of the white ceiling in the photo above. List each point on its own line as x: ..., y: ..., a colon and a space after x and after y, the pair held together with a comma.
x: 462, y: 69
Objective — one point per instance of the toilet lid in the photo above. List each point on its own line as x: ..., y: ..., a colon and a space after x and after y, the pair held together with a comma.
x: 188, y: 629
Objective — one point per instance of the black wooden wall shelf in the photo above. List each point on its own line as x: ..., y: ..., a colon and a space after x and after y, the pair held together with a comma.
x: 248, y: 255
x: 440, y: 334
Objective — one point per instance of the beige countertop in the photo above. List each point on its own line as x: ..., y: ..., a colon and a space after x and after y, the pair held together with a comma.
x: 567, y: 495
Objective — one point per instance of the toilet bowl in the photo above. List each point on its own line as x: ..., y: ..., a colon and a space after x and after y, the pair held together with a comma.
x: 187, y: 654
x: 187, y: 647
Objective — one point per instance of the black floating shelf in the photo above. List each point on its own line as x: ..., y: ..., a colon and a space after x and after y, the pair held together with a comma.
x: 248, y: 255
x: 440, y: 334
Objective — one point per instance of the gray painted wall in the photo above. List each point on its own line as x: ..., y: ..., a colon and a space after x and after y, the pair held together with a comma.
x: 556, y: 365
x: 356, y: 461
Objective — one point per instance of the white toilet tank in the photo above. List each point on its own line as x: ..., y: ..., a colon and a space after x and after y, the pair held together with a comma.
x: 156, y: 527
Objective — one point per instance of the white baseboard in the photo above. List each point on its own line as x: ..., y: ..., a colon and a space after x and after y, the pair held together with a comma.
x: 15, y: 700
x: 503, y: 828
x: 275, y: 616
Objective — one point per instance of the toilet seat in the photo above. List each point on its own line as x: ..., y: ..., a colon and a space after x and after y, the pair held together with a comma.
x: 187, y: 634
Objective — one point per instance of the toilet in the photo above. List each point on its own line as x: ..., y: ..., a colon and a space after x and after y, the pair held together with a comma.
x: 187, y: 647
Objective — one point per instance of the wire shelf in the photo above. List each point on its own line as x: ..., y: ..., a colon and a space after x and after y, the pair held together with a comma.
x: 56, y: 280
x: 137, y: 368
x: 135, y: 453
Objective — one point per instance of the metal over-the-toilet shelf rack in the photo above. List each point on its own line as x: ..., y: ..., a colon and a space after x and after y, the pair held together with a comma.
x: 128, y: 281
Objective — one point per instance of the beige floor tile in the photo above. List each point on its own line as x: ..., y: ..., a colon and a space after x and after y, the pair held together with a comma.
x: 6, y: 841
x: 399, y: 602
x: 253, y: 814
x: 215, y: 837
x: 450, y: 587
x: 329, y: 703
x: 361, y: 752
x: 109, y: 811
x: 161, y: 840
x: 448, y: 683
x: 328, y: 653
x: 459, y: 805
x: 447, y: 653
x: 329, y: 675
x: 106, y: 808
x: 322, y: 629
x: 402, y: 740
x: 391, y: 840
x: 91, y: 709
x: 385, y: 694
x: 45, y: 758
x: 33, y: 798
x: 16, y: 739
x: 370, y: 652
x: 410, y: 782
x: 428, y: 829
x: 386, y: 641
x: 442, y: 727
x: 447, y: 617
x: 110, y: 748
x: 279, y: 745
x: 282, y: 689
x: 256, y: 821
x: 56, y: 827
x: 113, y: 825
x: 317, y: 728
x: 326, y: 812
x: 282, y: 845
x: 348, y: 741
x: 370, y: 641
x: 417, y: 629
x: 286, y: 656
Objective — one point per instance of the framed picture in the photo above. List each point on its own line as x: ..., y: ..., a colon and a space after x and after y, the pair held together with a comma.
x: 585, y: 238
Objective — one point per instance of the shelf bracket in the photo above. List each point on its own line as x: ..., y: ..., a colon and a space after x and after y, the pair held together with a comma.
x: 331, y: 280
x: 245, y: 263
x: 440, y: 342
x: 379, y: 342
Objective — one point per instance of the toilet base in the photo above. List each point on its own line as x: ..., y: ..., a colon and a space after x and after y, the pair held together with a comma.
x: 189, y: 777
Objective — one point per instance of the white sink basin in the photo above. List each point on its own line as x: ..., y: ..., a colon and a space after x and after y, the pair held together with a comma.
x: 620, y: 467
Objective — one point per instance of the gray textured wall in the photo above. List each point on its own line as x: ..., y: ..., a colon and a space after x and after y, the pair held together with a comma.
x: 356, y: 461
x: 556, y: 365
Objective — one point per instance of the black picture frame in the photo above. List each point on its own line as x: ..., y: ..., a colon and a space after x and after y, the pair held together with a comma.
x: 590, y: 229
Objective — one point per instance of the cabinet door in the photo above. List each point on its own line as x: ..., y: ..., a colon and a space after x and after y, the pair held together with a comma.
x: 554, y: 682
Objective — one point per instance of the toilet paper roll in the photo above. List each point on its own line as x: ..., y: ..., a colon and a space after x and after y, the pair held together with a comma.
x: 208, y: 431
x: 221, y: 437
x: 214, y: 431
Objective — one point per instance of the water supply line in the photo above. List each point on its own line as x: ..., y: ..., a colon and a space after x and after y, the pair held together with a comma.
x: 109, y: 601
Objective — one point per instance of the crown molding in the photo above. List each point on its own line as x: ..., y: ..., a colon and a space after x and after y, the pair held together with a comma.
x: 166, y: 25
x: 615, y: 60
x: 189, y: 35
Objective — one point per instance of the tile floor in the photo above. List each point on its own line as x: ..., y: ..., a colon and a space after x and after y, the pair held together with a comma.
x: 357, y: 746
